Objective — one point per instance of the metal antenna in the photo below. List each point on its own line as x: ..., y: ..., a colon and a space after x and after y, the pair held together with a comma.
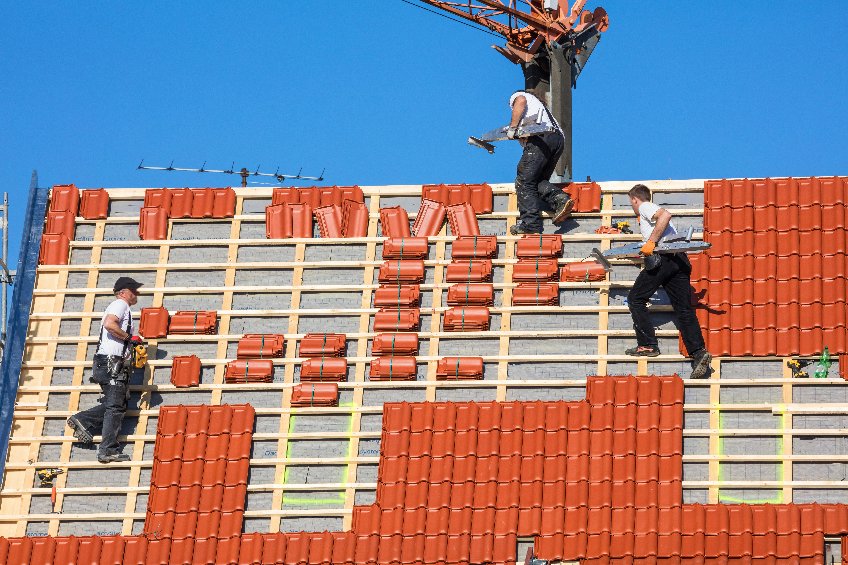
x: 244, y: 173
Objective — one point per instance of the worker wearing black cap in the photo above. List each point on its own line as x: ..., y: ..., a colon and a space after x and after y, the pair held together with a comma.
x: 109, y: 371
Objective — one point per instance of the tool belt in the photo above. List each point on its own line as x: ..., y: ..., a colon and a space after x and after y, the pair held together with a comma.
x: 109, y: 367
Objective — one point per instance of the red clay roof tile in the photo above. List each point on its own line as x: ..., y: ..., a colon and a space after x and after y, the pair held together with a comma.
x: 462, y: 220
x: 185, y: 371
x: 158, y: 198
x: 471, y: 294
x: 193, y: 322
x: 535, y: 270
x: 249, y: 371
x: 405, y: 248
x: 539, y: 246
x: 393, y: 368
x: 538, y: 293
x: 64, y: 198
x: 478, y: 195
x: 474, y: 247
x: 323, y: 369
x: 55, y: 249
x: 153, y: 223
x: 394, y: 296
x: 397, y: 320
x: 260, y: 346
x: 395, y: 344
x: 323, y: 344
x: 329, y: 220
x: 474, y: 270
x: 354, y: 219
x: 582, y: 271
x: 429, y: 220
x: 154, y: 322
x: 394, y: 222
x: 94, y: 204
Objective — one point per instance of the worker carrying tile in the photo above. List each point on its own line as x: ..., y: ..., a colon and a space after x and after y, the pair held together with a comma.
x: 541, y: 153
x: 669, y: 271
x: 111, y: 370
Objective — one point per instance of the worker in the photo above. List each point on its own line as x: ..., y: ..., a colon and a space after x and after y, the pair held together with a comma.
x: 669, y: 271
x: 541, y: 153
x: 111, y: 370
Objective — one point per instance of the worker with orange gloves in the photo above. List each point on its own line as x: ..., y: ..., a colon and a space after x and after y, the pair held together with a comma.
x: 541, y: 153
x: 669, y: 271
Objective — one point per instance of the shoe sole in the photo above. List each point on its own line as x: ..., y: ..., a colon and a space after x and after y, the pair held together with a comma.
x: 651, y: 354
x: 566, y: 212
x: 701, y: 367
x: 79, y: 432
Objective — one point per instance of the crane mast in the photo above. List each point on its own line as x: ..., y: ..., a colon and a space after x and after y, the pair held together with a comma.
x: 550, y: 41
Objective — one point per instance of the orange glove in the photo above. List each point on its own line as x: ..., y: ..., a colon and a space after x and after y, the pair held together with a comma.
x: 648, y: 248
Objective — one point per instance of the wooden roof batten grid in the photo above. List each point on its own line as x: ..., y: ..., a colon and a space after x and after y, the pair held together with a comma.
x: 38, y: 391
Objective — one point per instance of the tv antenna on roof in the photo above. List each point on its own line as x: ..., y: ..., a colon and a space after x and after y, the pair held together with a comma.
x: 244, y: 173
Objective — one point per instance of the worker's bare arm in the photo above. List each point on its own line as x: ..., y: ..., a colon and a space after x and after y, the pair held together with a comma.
x: 662, y: 219
x: 113, y: 326
x: 519, y: 106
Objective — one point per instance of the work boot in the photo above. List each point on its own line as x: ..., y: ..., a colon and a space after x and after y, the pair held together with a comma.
x: 79, y: 430
x: 701, y: 364
x: 113, y: 457
x: 563, y: 204
x: 643, y: 351
x: 520, y: 229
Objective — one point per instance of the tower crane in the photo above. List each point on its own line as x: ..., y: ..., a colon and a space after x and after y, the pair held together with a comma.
x: 550, y: 41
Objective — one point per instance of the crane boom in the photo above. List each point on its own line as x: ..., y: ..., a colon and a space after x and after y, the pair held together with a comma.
x: 568, y: 35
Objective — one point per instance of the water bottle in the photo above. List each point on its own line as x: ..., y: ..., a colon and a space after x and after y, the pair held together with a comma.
x: 823, y: 366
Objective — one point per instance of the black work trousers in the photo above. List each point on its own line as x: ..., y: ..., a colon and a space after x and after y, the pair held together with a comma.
x: 532, y: 186
x: 672, y: 274
x: 106, y: 418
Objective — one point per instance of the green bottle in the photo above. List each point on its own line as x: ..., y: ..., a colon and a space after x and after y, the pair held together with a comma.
x: 823, y: 366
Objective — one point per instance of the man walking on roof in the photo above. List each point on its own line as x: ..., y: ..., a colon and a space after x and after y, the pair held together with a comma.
x: 541, y: 153
x: 670, y: 271
x: 111, y: 370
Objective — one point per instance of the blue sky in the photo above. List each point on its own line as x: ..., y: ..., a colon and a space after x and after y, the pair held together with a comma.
x: 379, y: 92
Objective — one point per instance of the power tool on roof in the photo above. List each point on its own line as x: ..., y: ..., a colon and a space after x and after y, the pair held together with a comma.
x: 138, y: 351
x: 797, y: 366
x: 622, y: 226
x: 47, y: 476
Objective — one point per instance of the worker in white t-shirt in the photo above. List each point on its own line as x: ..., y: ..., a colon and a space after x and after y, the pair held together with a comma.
x: 669, y: 271
x: 111, y: 371
x: 541, y: 153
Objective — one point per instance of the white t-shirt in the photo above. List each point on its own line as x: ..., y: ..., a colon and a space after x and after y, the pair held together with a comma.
x: 646, y: 222
x: 534, y: 109
x: 110, y: 345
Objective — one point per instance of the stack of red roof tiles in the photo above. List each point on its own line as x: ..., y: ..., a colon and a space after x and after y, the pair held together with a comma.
x: 339, y: 210
x: 774, y: 280
x: 323, y: 369
x: 460, y: 483
x: 529, y: 249
x: 254, y: 359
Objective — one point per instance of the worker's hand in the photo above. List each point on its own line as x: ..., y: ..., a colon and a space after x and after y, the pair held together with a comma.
x: 648, y: 248
x: 511, y: 132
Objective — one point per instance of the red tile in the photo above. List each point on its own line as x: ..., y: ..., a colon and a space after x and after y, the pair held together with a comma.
x: 586, y: 196
x: 535, y: 270
x: 54, y: 250
x: 315, y: 394
x: 466, y: 318
x: 354, y: 219
x: 536, y: 294
x: 474, y: 247
x: 479, y: 270
x: 394, y: 320
x: 323, y: 344
x: 393, y: 368
x: 399, y: 272
x: 260, y: 346
x: 471, y: 294
x: 395, y: 344
x: 94, y: 204
x: 249, y: 371
x: 193, y: 322
x: 64, y: 198
x: 185, y: 371
x: 202, y: 202
x: 462, y: 220
x: 539, y: 246
x: 61, y: 223
x: 324, y: 369
x: 479, y: 196
x: 154, y: 322
x: 153, y: 223
x: 451, y: 368
x: 583, y: 271
x: 397, y: 296
x: 405, y: 248
x: 329, y: 220
x: 224, y: 202
x: 394, y: 222
x: 429, y: 220
x: 181, y: 203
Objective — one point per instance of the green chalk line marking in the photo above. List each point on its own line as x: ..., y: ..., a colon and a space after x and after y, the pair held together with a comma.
x: 778, y: 499
x: 339, y: 498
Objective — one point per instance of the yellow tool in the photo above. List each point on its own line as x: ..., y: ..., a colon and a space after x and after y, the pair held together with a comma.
x: 139, y: 356
x: 795, y: 366
x: 623, y: 226
x: 46, y: 476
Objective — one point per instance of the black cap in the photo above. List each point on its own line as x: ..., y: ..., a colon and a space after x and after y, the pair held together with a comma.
x: 126, y: 282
